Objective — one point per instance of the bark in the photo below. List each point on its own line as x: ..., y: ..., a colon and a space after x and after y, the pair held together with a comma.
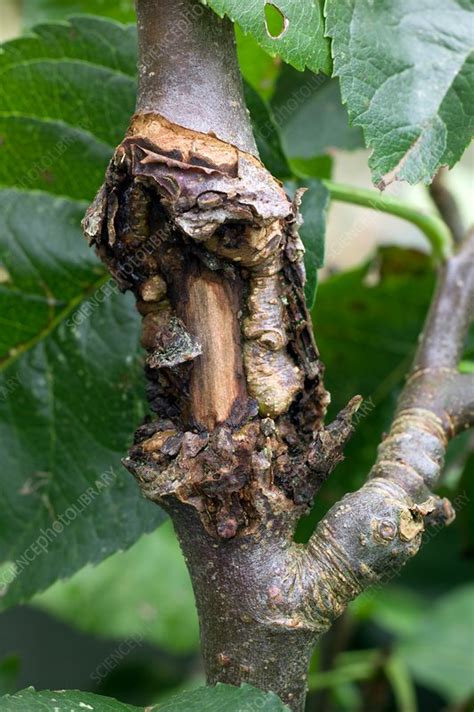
x: 190, y: 221
x: 188, y: 71
x: 447, y: 205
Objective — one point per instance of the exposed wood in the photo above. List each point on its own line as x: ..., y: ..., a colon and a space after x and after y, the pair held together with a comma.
x: 211, y: 312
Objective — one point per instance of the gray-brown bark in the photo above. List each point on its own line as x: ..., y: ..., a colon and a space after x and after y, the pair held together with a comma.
x: 192, y: 223
x: 447, y: 205
x: 187, y: 51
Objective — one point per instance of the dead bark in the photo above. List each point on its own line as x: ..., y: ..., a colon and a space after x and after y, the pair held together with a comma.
x: 190, y: 221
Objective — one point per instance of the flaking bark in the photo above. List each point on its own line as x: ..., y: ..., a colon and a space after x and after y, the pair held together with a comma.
x: 191, y: 222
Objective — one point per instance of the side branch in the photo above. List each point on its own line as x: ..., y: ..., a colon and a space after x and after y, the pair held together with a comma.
x: 371, y: 533
x: 447, y: 205
x: 451, y: 312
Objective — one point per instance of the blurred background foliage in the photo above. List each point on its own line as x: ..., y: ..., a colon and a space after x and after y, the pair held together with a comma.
x: 127, y: 627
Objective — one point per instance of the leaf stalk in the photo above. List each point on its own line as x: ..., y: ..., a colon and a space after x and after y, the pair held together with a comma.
x: 434, y: 229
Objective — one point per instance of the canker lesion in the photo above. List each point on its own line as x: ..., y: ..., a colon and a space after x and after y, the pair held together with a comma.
x: 219, y: 284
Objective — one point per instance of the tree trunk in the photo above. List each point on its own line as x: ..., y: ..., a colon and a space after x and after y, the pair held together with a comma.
x: 245, y: 635
x: 193, y: 224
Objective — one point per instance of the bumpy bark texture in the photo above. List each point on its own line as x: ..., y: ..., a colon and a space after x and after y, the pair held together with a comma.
x: 234, y: 373
x: 207, y: 240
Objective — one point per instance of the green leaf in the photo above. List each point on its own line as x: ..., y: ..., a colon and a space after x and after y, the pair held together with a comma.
x: 69, y: 398
x: 367, y: 322
x: 266, y: 134
x: 67, y: 93
x: 50, y: 156
x: 301, y: 42
x: 141, y: 605
x: 257, y: 67
x: 395, y: 609
x: 311, y: 116
x: 80, y: 73
x: 349, y: 666
x: 9, y: 672
x: 35, y: 11
x: 314, y: 208
x: 222, y: 698
x: 316, y: 167
x: 62, y: 701
x: 439, y: 650
x: 465, y: 514
x: 466, y: 366
x: 407, y: 73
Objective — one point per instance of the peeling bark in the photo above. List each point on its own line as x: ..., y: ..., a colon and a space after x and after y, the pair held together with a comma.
x: 234, y: 372
x: 191, y: 222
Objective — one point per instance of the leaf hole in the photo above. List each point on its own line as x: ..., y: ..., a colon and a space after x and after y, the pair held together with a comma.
x: 275, y: 21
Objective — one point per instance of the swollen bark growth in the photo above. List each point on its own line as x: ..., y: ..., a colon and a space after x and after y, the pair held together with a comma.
x: 207, y: 240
